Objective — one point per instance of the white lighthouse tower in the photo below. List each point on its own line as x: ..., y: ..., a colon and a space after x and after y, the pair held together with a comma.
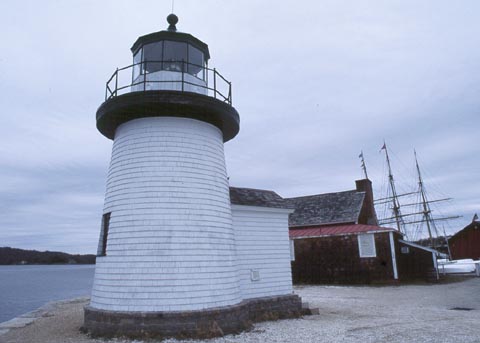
x: 166, y: 262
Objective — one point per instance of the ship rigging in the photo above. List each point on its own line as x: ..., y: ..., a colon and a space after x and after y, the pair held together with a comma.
x: 410, y: 211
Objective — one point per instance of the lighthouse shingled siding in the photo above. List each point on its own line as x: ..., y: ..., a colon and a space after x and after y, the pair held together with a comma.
x: 171, y: 244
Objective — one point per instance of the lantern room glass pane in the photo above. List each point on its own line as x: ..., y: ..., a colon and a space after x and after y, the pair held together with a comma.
x: 174, y: 54
x: 137, y: 58
x: 195, y: 62
x: 152, y: 57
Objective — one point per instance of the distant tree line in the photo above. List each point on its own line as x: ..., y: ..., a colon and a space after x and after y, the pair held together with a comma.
x: 10, y: 256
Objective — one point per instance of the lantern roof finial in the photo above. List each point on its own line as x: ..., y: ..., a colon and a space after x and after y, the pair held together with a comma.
x: 172, y: 19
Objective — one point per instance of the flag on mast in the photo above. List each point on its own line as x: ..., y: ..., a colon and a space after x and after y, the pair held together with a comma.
x: 364, y: 167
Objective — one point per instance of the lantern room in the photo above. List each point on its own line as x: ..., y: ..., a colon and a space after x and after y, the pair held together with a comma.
x: 169, y: 71
x: 170, y: 60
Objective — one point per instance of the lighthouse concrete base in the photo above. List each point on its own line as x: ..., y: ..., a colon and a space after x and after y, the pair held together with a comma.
x: 207, y: 323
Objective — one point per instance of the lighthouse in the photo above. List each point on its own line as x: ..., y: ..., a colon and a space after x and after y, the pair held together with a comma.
x: 167, y: 261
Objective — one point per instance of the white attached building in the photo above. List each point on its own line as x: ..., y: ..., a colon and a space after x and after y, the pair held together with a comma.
x: 260, y: 222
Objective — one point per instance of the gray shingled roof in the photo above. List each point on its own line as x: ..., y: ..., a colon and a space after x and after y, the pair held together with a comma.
x: 320, y: 209
x: 257, y: 197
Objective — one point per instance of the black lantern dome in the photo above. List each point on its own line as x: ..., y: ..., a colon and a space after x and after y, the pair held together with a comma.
x: 168, y: 49
x: 169, y: 77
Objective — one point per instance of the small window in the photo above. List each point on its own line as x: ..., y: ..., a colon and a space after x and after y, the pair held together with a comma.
x: 366, y: 245
x: 405, y: 250
x: 102, y: 245
x: 292, y: 250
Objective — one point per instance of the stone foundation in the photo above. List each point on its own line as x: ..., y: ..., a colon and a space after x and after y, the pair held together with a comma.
x: 191, y: 324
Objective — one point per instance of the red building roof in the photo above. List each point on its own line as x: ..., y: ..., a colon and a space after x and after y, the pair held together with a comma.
x: 334, y: 230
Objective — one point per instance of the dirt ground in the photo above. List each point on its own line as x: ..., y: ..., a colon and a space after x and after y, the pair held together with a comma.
x: 413, y: 313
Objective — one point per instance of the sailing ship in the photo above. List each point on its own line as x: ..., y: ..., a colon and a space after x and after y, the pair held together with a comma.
x: 410, y: 212
x: 414, y: 216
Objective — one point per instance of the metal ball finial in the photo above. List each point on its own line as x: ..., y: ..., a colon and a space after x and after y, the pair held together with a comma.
x: 172, y: 19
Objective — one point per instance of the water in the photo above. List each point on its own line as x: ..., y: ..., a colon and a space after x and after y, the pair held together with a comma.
x: 26, y: 288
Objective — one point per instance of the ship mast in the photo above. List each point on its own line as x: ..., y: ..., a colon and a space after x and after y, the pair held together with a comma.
x: 395, y: 203
x: 422, y: 207
x: 427, y: 212
x: 425, y: 205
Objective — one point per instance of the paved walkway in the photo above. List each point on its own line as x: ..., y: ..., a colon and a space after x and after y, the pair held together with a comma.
x: 420, y: 313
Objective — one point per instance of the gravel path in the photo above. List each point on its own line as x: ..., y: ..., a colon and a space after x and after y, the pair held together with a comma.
x: 420, y: 313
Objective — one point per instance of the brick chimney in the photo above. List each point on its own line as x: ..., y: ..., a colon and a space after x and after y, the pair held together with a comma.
x: 367, y: 214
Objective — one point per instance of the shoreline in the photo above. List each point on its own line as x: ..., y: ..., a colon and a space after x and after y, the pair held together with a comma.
x: 46, y: 264
x: 404, y: 313
x: 27, y: 288
x: 43, y: 311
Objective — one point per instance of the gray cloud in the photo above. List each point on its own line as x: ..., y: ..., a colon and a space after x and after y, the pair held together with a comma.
x: 314, y: 83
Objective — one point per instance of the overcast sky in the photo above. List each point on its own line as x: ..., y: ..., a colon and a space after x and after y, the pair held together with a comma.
x: 314, y: 82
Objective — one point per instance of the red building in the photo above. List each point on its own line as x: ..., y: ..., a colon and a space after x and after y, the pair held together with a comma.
x: 466, y: 243
x: 335, y: 238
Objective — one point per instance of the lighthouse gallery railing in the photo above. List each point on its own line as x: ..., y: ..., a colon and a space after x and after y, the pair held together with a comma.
x: 122, y: 80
